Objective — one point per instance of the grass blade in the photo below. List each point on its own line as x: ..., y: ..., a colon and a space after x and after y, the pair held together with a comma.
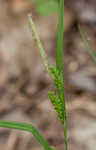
x: 86, y: 43
x: 26, y: 127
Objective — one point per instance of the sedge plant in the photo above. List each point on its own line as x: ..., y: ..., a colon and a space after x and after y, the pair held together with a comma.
x: 56, y: 74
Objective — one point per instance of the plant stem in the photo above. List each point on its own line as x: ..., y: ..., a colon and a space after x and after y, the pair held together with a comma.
x: 59, y: 64
x: 59, y: 52
x: 26, y: 127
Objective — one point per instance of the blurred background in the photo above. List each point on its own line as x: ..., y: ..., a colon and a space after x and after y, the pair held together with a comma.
x: 24, y: 84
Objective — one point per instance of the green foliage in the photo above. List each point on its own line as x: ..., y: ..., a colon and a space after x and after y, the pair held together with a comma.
x: 26, y: 127
x: 56, y: 75
x: 59, y: 100
x: 46, y: 7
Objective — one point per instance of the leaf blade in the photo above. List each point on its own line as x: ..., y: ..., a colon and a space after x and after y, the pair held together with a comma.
x: 87, y: 44
x: 26, y: 127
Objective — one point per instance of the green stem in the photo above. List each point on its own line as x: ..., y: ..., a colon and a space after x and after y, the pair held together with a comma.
x: 26, y: 127
x: 59, y: 52
x: 59, y: 65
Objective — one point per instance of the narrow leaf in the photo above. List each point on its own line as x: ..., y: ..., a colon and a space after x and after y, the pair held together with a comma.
x: 87, y: 44
x: 26, y: 127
